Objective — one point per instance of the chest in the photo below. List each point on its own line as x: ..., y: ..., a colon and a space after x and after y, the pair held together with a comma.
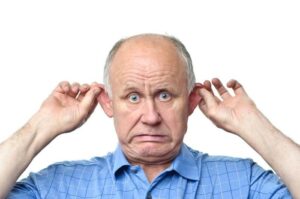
x: 133, y: 184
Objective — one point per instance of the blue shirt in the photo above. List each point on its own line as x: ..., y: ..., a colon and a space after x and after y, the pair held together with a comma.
x: 192, y: 174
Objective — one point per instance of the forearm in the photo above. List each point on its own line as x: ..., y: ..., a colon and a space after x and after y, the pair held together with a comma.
x: 281, y: 153
x: 17, y: 152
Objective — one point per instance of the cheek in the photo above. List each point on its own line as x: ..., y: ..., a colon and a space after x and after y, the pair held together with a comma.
x: 175, y: 117
x: 180, y: 108
x: 125, y: 119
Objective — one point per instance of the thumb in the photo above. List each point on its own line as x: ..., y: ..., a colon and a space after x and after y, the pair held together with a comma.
x: 89, y: 99
x: 207, y: 101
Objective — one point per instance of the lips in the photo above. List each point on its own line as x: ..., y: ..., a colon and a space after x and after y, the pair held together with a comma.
x: 150, y: 138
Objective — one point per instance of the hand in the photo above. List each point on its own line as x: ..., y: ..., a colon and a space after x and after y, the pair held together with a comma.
x: 238, y: 114
x: 67, y: 107
x: 226, y: 111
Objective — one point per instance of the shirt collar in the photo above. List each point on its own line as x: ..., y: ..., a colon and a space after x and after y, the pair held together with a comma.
x: 184, y: 164
x: 119, y: 160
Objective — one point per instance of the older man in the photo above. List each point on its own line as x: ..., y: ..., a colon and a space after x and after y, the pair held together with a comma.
x: 150, y: 92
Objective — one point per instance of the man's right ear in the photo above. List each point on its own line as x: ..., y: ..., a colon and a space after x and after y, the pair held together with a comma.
x: 105, y: 102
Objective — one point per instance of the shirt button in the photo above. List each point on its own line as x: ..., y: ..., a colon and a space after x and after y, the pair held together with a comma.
x: 149, y: 196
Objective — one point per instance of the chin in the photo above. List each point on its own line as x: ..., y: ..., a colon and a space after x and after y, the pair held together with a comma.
x: 155, y: 150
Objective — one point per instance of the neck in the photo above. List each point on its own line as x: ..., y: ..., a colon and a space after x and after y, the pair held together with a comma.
x: 152, y: 166
x: 153, y: 170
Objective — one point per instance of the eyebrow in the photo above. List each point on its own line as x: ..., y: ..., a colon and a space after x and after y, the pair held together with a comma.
x: 134, y: 87
x: 130, y: 89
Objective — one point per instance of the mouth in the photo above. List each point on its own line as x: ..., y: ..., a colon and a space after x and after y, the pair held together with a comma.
x: 150, y: 138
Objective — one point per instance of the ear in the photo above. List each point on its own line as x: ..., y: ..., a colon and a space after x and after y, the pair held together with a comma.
x: 105, y: 102
x: 194, y: 98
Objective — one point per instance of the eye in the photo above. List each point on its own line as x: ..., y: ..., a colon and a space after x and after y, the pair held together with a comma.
x: 134, y: 98
x: 164, y: 96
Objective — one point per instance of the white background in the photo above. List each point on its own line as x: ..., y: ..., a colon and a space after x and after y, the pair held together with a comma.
x: 45, y: 42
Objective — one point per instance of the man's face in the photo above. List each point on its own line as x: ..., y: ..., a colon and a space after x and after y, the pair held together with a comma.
x: 149, y: 99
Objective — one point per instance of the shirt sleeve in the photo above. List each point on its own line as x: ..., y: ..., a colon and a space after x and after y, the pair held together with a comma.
x: 265, y: 184
x: 24, y: 189
x: 56, y: 181
x: 35, y: 186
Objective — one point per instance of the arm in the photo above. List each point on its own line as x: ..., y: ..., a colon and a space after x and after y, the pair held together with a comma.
x: 238, y: 115
x: 64, y: 110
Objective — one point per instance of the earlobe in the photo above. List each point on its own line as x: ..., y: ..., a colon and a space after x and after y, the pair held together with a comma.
x: 106, y: 103
x: 194, y: 98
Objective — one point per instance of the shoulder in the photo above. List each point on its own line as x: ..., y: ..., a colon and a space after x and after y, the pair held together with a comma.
x: 224, y: 164
x: 233, y: 167
x: 205, y: 158
x: 240, y: 174
x: 95, y: 161
x: 59, y: 176
x: 75, y: 168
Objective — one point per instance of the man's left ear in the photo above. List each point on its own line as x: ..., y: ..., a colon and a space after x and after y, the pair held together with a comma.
x: 194, y: 98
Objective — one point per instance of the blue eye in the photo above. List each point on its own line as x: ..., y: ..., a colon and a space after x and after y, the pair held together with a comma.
x: 134, y: 98
x: 164, y: 96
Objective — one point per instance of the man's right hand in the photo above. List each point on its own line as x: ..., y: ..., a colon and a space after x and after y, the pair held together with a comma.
x: 67, y: 108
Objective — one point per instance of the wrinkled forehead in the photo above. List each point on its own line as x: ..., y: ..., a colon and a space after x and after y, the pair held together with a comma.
x: 154, y: 80
x: 148, y: 60
x: 148, y: 54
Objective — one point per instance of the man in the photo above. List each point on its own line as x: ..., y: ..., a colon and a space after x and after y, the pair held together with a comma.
x: 150, y: 92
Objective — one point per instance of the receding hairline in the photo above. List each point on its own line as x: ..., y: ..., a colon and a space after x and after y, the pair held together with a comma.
x: 173, y: 41
x: 143, y: 38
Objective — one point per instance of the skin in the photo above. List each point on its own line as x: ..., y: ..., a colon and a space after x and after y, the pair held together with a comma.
x: 66, y: 108
x: 151, y: 130
x: 150, y: 102
x: 239, y: 115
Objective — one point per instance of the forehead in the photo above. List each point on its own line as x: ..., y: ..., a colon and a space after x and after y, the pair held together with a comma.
x: 147, y: 57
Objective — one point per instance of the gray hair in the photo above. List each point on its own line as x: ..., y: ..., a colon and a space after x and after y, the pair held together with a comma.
x: 179, y: 46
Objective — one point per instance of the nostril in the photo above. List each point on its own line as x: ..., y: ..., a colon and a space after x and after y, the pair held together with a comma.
x: 151, y: 117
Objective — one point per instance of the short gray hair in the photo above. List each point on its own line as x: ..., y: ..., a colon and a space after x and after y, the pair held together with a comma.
x: 179, y: 46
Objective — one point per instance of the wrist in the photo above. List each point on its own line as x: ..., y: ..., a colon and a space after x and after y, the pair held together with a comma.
x: 260, y: 133
x: 254, y: 124
x: 40, y: 132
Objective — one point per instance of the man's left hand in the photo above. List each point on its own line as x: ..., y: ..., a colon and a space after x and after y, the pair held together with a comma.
x: 227, y: 111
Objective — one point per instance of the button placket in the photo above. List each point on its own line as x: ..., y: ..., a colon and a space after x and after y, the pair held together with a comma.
x: 149, y: 196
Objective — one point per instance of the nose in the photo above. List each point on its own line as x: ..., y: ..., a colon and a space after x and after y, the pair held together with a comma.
x: 150, y: 115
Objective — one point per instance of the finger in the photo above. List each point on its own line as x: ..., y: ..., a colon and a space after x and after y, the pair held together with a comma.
x: 237, y: 87
x: 63, y: 87
x: 202, y: 106
x: 100, y: 86
x: 83, y: 89
x: 88, y: 101
x: 74, y: 90
x: 223, y: 92
x: 207, y: 102
x: 92, y: 108
x: 96, y: 84
x: 94, y: 104
x: 207, y: 85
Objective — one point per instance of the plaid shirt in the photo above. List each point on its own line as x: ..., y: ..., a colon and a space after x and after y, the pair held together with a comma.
x: 191, y: 175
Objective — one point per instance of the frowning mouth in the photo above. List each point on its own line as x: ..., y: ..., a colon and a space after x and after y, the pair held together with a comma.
x: 150, y: 138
